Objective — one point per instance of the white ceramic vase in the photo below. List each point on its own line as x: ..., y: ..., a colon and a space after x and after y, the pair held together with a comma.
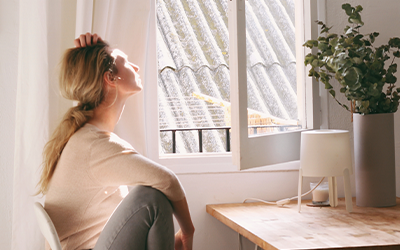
x: 374, y: 155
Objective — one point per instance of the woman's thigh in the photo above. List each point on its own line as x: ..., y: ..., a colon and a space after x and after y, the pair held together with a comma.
x: 143, y: 220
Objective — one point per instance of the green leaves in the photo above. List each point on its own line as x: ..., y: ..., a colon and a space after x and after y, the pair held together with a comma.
x: 339, y: 63
x: 362, y: 106
x: 392, y: 69
x: 334, y: 42
x: 357, y: 60
x: 390, y: 78
x: 394, y: 42
x: 373, y: 90
x: 347, y: 7
x: 317, y: 63
x: 372, y: 38
x: 358, y: 8
x: 352, y: 78
x: 330, y: 36
x: 311, y: 44
x: 360, y: 68
x: 353, y: 13
x: 357, y: 39
x: 356, y: 19
x: 323, y: 46
x: 309, y: 59
x: 324, y: 28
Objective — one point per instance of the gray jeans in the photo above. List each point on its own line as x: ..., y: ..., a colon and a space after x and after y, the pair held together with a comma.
x: 142, y: 221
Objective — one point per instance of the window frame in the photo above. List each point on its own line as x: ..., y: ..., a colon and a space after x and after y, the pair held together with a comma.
x: 250, y: 152
x: 225, y: 162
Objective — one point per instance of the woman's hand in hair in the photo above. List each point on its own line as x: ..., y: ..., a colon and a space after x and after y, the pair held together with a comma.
x: 86, y: 40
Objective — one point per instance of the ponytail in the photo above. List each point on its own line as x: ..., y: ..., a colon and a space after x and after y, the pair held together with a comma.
x: 81, y: 79
x: 73, y: 120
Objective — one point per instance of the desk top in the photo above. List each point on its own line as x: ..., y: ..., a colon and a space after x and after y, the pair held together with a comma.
x: 273, y: 227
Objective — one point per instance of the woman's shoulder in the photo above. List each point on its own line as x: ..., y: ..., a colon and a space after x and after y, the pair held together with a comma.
x: 102, y: 139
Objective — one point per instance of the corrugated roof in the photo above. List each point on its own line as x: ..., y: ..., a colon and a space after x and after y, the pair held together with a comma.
x: 193, y: 56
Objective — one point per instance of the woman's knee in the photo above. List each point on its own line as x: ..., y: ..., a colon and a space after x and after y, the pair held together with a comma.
x: 144, y: 214
x: 144, y: 195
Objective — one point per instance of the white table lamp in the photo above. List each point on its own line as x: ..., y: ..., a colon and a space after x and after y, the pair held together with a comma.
x: 327, y: 153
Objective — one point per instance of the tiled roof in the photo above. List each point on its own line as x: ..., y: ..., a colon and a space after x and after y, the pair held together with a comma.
x: 193, y: 57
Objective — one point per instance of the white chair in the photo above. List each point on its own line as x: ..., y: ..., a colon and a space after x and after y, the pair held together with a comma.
x: 47, y: 227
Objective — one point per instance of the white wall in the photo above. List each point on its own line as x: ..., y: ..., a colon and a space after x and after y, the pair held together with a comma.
x: 201, y: 189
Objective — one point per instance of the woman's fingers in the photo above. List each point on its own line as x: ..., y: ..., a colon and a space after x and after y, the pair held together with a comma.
x: 77, y: 43
x: 86, y: 40
x: 95, y: 38
x: 82, y: 39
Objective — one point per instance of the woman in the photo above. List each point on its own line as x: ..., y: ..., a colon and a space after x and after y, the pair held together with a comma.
x: 86, y: 164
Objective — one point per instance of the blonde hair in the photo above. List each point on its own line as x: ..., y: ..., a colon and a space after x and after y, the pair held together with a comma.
x: 81, y: 79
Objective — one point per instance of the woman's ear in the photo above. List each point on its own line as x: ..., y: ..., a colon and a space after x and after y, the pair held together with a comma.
x: 109, y: 79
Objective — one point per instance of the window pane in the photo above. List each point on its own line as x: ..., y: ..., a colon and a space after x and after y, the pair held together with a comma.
x: 271, y: 66
x: 193, y: 80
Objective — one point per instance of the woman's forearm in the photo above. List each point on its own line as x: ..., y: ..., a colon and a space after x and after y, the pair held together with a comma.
x: 182, y: 215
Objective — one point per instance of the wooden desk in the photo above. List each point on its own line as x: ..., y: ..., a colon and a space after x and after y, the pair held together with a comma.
x: 273, y: 227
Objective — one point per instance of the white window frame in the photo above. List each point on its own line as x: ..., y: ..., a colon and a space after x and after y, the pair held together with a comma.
x: 246, y: 152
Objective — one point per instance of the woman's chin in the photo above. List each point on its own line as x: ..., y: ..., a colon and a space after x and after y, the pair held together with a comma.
x: 134, y: 92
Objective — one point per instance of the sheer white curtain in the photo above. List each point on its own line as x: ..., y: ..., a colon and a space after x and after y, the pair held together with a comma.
x: 32, y: 120
x: 45, y: 30
x: 128, y: 25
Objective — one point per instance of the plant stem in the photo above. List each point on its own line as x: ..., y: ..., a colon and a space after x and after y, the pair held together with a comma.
x: 393, y: 60
x: 352, y: 109
x: 341, y: 104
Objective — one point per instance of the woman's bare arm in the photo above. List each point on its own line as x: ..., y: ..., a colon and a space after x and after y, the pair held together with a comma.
x: 184, y: 237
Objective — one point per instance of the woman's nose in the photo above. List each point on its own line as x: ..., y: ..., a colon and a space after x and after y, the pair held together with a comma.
x: 135, y: 67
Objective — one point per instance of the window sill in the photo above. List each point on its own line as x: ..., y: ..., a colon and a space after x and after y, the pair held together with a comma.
x: 216, y: 163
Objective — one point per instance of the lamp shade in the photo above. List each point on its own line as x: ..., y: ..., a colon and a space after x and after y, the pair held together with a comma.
x: 325, y: 153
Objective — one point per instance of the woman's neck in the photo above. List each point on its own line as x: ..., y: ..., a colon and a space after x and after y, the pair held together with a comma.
x: 106, y: 116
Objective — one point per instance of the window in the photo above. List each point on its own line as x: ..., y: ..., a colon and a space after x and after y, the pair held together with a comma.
x: 193, y: 79
x: 249, y: 152
x: 195, y: 70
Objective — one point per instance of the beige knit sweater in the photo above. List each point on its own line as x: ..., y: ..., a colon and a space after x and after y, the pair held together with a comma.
x: 87, y: 182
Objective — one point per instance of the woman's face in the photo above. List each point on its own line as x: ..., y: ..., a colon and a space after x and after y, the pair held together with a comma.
x: 128, y: 80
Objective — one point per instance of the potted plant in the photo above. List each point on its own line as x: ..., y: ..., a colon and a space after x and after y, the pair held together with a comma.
x: 365, y: 74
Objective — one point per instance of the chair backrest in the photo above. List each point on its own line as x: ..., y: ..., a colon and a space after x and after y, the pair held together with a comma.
x: 47, y: 227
